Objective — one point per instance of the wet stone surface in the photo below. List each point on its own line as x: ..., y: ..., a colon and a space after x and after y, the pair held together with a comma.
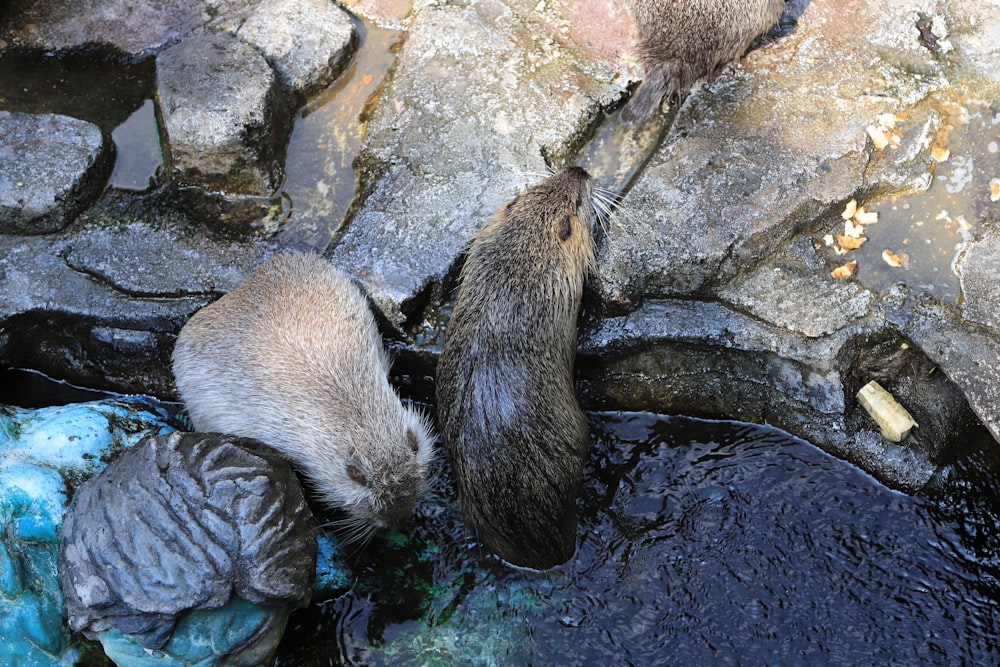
x: 713, y: 291
x: 306, y: 41
x: 221, y: 106
x: 978, y: 270
x: 129, y: 27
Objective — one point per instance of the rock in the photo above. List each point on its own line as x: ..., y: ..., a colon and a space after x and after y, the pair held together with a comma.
x: 978, y: 270
x: 307, y: 42
x: 974, y: 29
x: 791, y: 294
x: 795, y: 145
x: 441, y: 157
x: 100, y: 304
x: 44, y: 454
x: 222, y: 115
x: 185, y: 522
x: 51, y: 167
x: 970, y: 357
x: 132, y: 28
x: 704, y: 359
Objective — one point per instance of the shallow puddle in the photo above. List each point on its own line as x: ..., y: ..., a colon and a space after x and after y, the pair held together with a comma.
x: 91, y: 87
x: 927, y: 231
x: 321, y: 180
x: 137, y: 150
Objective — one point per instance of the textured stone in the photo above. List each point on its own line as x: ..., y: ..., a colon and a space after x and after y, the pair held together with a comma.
x: 978, y: 271
x: 969, y: 357
x: 130, y: 27
x: 50, y: 168
x: 766, y: 146
x: 441, y: 158
x: 100, y: 303
x: 799, y: 298
x: 185, y: 522
x: 306, y: 41
x: 221, y: 113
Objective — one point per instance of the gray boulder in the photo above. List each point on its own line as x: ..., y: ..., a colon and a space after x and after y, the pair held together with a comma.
x: 51, y: 167
x: 222, y: 115
x: 978, y: 272
x: 306, y: 41
x: 186, y: 522
x: 134, y: 28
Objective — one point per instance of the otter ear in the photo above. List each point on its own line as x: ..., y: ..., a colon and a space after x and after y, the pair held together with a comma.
x: 565, y: 227
x: 357, y: 474
x: 412, y: 441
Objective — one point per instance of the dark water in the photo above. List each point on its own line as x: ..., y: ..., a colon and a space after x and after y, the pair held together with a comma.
x: 701, y: 543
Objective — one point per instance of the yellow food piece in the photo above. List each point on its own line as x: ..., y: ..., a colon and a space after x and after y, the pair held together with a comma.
x: 844, y: 272
x: 892, y: 418
x: 892, y: 259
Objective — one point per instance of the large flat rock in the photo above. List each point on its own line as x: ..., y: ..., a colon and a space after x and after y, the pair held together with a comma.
x: 477, y: 103
x: 762, y: 150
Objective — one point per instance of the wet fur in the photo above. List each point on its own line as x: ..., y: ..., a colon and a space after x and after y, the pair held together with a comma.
x: 681, y: 41
x: 293, y: 358
x: 511, y: 425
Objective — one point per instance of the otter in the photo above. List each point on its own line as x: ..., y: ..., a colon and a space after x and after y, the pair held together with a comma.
x: 293, y: 358
x: 511, y: 427
x: 681, y: 41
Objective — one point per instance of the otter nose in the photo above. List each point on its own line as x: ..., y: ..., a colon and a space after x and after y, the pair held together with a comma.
x: 396, y: 515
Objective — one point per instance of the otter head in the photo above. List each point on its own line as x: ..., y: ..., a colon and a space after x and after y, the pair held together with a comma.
x: 545, y: 237
x: 377, y: 482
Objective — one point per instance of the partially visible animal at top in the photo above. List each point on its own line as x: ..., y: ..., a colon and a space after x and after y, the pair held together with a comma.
x: 681, y: 41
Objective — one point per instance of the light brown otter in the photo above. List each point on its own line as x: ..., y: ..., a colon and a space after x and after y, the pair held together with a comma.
x: 292, y: 357
x: 681, y: 41
x: 510, y: 422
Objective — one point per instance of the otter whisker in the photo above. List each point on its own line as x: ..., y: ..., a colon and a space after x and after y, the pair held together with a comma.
x: 353, y: 534
x: 606, y: 204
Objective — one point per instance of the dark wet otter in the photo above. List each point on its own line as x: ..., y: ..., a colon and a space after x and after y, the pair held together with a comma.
x: 511, y: 425
x: 680, y: 41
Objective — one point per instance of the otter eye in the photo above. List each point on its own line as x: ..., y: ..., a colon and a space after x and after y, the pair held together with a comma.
x: 411, y: 440
x: 565, y: 228
x: 357, y: 474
